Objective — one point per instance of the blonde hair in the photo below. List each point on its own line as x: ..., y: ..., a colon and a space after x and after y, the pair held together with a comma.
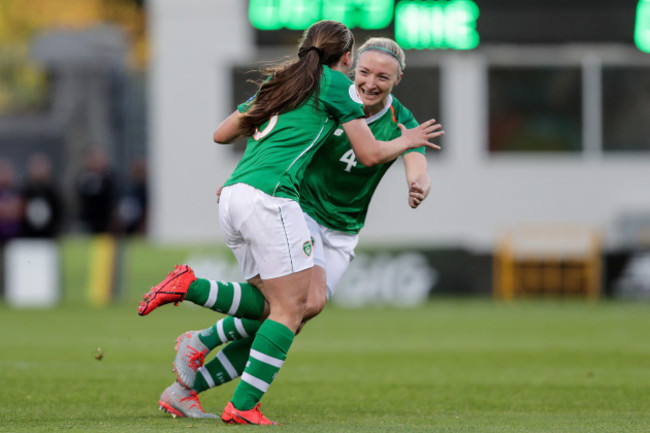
x: 385, y: 45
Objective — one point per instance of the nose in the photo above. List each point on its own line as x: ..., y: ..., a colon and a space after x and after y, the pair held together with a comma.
x: 370, y: 82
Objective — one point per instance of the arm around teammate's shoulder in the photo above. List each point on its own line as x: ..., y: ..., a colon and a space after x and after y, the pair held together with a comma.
x: 229, y: 129
x: 370, y: 151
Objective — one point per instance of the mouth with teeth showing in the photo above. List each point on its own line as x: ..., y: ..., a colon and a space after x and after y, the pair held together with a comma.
x: 370, y: 94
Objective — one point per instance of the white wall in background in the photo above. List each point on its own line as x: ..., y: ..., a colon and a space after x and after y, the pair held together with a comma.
x: 474, y: 196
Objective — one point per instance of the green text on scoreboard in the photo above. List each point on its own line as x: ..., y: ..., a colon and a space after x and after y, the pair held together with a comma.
x: 642, y: 26
x: 419, y: 24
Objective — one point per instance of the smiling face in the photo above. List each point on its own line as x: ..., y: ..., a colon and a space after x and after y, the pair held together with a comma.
x: 376, y: 74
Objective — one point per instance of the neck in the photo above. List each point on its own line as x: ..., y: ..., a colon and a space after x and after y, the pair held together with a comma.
x: 374, y: 109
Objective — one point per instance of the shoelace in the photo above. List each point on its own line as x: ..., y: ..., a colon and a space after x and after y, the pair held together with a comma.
x: 195, y: 358
x: 149, y: 295
x: 194, y: 397
x: 261, y: 415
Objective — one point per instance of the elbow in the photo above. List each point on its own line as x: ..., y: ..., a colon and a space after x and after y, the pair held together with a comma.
x: 220, y: 138
x: 369, y: 160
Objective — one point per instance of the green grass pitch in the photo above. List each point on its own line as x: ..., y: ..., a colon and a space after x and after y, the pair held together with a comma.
x: 447, y: 366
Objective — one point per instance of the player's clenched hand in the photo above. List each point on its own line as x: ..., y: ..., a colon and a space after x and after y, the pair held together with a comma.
x: 420, y: 135
x: 416, y: 195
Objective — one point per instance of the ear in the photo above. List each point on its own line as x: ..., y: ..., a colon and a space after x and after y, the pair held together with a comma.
x: 347, y: 59
x: 399, y: 78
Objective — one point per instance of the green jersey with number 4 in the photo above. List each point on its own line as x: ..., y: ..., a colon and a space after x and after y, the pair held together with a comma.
x: 278, y: 153
x: 337, y: 189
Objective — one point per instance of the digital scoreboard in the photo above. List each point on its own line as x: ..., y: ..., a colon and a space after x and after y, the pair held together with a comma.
x: 460, y: 24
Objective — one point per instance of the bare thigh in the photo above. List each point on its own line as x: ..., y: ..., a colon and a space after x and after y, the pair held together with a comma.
x: 287, y: 297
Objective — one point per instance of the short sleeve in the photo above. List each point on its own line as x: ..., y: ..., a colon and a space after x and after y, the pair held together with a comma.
x: 406, y: 118
x: 244, y: 106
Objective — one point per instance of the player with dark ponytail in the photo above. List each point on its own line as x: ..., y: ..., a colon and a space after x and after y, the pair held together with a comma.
x: 291, y: 83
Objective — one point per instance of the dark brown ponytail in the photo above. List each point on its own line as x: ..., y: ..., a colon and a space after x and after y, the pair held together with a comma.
x: 293, y: 82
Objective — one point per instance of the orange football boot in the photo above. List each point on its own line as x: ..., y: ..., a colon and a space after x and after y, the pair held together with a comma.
x: 171, y: 289
x: 253, y: 416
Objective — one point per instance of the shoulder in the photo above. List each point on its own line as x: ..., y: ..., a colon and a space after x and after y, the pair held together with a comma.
x: 402, y: 114
x: 335, y: 79
x: 338, y: 96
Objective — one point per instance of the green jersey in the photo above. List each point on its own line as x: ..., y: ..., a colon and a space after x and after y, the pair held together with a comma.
x: 278, y: 153
x: 337, y: 189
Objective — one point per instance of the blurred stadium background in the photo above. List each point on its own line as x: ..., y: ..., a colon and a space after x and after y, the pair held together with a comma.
x: 541, y: 188
x: 541, y: 193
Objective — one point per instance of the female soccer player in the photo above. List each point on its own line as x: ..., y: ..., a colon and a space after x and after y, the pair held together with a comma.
x: 341, y: 206
x: 294, y: 112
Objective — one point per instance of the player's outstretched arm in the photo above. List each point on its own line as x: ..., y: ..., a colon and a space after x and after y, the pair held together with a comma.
x: 417, y: 178
x: 370, y: 151
x: 229, y: 129
x: 420, y: 135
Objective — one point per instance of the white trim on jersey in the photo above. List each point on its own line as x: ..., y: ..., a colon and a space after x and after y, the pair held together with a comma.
x: 302, y: 153
x: 383, y: 111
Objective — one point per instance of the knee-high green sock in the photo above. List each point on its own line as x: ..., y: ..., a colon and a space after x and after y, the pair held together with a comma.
x: 267, y: 355
x: 234, y: 299
x: 227, y: 329
x: 226, y: 366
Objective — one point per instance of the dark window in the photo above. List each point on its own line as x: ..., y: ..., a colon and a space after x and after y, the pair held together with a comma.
x: 244, y: 79
x: 535, y: 109
x: 419, y: 91
x: 626, y: 109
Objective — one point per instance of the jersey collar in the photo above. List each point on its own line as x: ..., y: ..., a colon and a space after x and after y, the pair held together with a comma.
x: 383, y: 111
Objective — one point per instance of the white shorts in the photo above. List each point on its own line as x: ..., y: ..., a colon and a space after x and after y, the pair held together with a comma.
x: 268, y: 235
x: 333, y: 251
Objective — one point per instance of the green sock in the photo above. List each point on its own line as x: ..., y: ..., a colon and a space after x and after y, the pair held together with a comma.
x: 234, y: 299
x: 227, y: 329
x: 267, y: 355
x: 226, y: 366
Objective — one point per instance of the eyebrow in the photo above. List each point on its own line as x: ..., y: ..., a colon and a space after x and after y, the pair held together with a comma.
x: 365, y: 68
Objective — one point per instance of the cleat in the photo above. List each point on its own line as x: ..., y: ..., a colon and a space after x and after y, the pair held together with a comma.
x: 253, y: 416
x: 171, y: 289
x: 179, y: 401
x: 190, y: 354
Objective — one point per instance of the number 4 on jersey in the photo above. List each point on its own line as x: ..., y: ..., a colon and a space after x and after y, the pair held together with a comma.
x: 350, y: 159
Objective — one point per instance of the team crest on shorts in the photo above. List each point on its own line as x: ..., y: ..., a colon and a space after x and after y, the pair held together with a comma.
x: 307, y: 248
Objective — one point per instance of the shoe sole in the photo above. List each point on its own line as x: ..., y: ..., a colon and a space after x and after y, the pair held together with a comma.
x: 169, y: 409
x: 234, y: 416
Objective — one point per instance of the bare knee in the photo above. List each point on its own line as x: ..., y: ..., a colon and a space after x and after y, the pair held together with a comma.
x: 317, y: 293
x: 315, y: 304
x: 289, y: 311
x: 287, y: 297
